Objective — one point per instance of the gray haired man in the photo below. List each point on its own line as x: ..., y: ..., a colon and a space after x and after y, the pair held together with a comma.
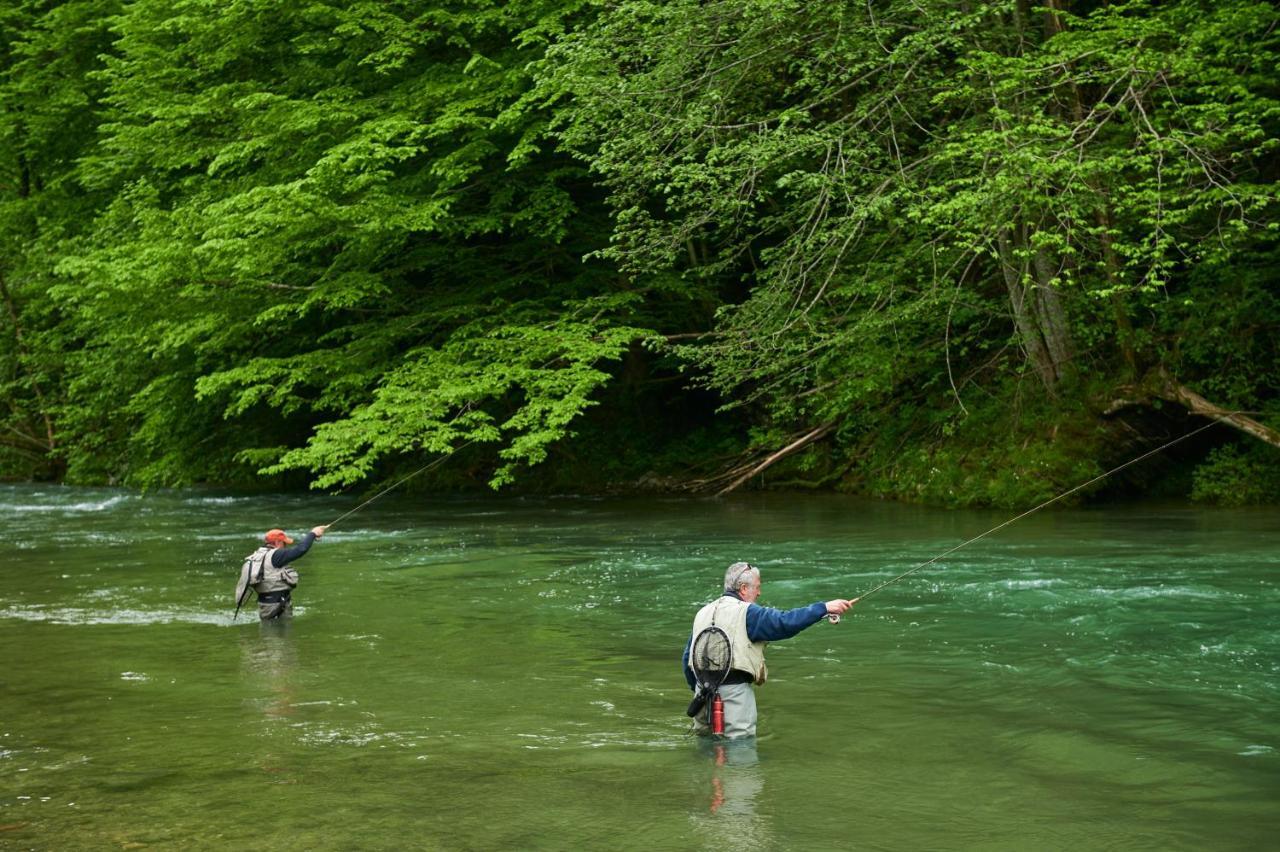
x: 749, y: 627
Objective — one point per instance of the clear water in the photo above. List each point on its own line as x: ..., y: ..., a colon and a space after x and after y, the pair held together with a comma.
x: 484, y: 674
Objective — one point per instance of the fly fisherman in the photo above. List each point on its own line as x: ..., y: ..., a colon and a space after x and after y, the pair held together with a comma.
x: 266, y: 572
x: 748, y: 627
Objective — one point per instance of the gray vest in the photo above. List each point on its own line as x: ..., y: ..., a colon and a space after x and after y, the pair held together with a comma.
x: 274, y: 579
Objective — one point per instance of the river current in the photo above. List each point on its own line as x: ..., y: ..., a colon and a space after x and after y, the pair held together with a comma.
x: 504, y: 674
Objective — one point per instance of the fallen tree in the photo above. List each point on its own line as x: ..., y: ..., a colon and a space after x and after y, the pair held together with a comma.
x: 1159, y: 385
x: 751, y: 464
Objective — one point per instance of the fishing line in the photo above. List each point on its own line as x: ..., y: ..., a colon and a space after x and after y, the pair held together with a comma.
x: 400, y: 482
x: 1041, y: 506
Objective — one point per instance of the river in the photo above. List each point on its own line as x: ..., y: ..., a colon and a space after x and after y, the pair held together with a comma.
x: 504, y: 674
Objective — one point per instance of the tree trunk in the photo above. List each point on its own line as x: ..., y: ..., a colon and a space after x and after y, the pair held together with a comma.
x: 1124, y: 328
x: 1052, y: 19
x: 20, y: 353
x: 24, y: 177
x: 1015, y: 273
x: 1051, y: 317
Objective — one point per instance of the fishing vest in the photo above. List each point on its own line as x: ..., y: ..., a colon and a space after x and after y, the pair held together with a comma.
x: 730, y: 615
x: 275, y: 579
x: 259, y: 574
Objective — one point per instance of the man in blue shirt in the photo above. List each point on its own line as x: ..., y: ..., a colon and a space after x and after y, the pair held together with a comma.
x: 749, y: 628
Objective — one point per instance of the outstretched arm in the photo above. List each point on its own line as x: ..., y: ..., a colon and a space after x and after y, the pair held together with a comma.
x: 766, y: 624
x: 285, y: 555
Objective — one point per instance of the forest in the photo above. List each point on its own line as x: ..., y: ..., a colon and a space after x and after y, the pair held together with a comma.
x: 957, y: 253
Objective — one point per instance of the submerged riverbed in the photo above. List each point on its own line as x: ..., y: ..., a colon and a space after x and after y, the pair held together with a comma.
x: 504, y: 673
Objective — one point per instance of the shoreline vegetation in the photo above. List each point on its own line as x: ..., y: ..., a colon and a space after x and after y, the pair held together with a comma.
x: 955, y: 254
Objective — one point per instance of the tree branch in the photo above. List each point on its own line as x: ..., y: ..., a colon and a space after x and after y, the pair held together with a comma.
x: 1160, y: 385
x: 800, y: 442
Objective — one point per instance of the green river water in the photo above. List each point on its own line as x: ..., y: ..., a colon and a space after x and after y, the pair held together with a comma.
x: 504, y: 674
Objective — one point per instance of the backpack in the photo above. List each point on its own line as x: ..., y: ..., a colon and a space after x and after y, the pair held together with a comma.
x: 255, y: 564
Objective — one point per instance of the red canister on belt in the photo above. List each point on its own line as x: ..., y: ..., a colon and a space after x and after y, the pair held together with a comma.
x: 717, y: 715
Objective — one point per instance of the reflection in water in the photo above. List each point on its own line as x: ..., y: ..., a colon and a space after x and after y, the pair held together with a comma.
x: 270, y: 659
x: 273, y: 661
x: 736, y: 782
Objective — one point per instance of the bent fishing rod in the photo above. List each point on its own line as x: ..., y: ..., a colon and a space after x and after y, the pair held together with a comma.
x: 244, y: 588
x: 835, y: 619
x: 434, y: 463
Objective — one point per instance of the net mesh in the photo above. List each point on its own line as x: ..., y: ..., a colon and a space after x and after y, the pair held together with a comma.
x: 711, y: 656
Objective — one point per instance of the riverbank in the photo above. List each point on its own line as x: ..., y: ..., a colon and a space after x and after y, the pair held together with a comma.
x: 994, y: 456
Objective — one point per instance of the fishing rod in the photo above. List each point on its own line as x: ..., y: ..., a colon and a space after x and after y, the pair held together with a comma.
x: 398, y: 483
x: 246, y: 571
x: 834, y: 619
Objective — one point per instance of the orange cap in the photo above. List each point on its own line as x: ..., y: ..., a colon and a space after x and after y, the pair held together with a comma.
x: 273, y: 536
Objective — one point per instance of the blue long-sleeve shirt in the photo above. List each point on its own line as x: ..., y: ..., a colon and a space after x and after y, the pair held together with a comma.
x: 282, y: 556
x: 765, y: 624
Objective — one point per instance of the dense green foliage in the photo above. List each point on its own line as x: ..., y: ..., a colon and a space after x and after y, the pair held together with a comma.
x: 928, y: 246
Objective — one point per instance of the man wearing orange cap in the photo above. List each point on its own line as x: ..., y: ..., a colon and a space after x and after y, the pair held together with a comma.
x: 266, y: 571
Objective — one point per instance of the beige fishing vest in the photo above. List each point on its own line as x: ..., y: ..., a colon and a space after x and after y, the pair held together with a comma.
x: 730, y: 615
x: 275, y: 579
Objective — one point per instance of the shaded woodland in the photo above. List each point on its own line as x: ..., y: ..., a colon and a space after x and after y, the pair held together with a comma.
x: 959, y: 253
